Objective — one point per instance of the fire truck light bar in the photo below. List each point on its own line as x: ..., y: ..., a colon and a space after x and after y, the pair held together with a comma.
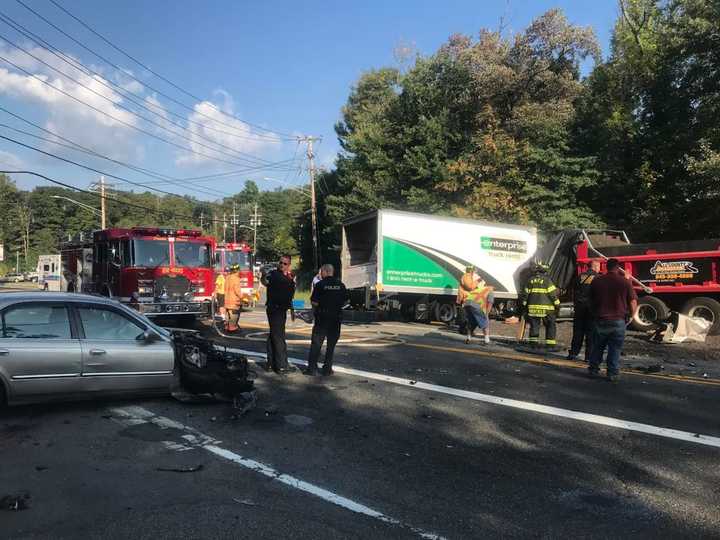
x: 156, y: 231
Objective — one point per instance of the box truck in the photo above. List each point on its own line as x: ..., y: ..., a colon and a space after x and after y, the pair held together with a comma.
x: 413, y: 262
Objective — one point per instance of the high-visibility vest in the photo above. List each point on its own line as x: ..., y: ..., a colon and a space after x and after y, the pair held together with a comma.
x: 220, y: 284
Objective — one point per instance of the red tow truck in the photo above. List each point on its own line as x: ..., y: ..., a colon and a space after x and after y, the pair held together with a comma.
x: 158, y: 271
x: 679, y: 276
x: 229, y: 254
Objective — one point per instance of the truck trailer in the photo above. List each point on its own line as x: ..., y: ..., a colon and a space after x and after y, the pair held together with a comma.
x: 413, y: 262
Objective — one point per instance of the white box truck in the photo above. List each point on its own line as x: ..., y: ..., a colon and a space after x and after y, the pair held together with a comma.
x: 392, y: 259
x: 49, y: 273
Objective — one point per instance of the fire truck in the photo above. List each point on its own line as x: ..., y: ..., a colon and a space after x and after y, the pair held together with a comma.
x: 681, y: 276
x: 158, y: 271
x: 231, y: 253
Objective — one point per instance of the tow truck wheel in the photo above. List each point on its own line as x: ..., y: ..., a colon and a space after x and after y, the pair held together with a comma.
x: 651, y: 311
x: 445, y: 312
x: 706, y: 308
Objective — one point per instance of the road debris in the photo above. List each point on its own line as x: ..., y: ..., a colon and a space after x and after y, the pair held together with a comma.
x: 15, y: 503
x: 180, y: 469
x: 246, y: 502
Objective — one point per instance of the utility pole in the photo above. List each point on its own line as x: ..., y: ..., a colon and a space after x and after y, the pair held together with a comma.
x: 102, y: 203
x: 224, y: 228
x: 202, y: 220
x: 255, y: 222
x: 17, y: 262
x: 313, y: 202
x: 234, y: 222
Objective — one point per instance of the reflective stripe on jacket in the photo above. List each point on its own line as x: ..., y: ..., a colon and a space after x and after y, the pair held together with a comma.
x: 540, y: 296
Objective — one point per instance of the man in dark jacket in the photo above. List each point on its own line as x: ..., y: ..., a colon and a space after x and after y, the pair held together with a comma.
x: 280, y: 285
x: 539, y: 300
x: 328, y: 298
x: 583, y: 318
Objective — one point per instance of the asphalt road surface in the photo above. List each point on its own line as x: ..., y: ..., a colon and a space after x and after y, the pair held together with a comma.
x: 414, y: 436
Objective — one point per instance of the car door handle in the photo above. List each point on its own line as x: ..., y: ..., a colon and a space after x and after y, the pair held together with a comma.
x: 4, y: 352
x: 96, y: 352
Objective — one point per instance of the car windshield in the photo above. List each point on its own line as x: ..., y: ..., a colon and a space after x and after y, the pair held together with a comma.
x: 151, y: 252
x: 192, y: 254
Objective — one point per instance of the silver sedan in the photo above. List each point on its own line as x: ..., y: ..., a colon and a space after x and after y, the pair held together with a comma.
x: 63, y: 346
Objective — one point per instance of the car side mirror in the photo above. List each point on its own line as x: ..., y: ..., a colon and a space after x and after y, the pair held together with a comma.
x: 148, y: 336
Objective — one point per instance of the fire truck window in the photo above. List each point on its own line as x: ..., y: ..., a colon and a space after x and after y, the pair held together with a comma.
x: 192, y: 254
x: 237, y: 257
x: 151, y: 252
x: 36, y: 321
x: 125, y: 252
x: 101, y: 323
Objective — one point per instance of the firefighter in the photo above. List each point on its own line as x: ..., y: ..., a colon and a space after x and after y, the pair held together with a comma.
x: 233, y: 298
x: 328, y: 298
x: 540, y: 303
x: 583, y: 317
x: 220, y: 294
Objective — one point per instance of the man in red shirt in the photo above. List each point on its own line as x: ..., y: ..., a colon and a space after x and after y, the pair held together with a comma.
x: 613, y: 302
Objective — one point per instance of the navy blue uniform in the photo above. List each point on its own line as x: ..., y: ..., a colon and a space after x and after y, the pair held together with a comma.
x: 280, y: 292
x: 330, y: 295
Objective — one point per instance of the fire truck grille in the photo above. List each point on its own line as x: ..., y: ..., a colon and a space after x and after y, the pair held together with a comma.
x: 176, y: 286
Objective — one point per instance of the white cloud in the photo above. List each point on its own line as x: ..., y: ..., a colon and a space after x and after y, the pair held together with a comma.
x: 10, y: 161
x: 210, y: 123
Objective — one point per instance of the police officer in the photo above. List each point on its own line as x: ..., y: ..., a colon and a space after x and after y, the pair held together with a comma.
x: 328, y: 297
x: 540, y: 303
x: 280, y: 285
x: 583, y: 317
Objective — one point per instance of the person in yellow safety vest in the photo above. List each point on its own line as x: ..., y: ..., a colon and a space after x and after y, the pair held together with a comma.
x: 476, y: 299
x: 540, y: 303
x: 220, y: 294
x: 233, y: 298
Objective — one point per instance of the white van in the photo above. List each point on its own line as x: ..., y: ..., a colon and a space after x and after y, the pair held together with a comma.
x: 49, y: 273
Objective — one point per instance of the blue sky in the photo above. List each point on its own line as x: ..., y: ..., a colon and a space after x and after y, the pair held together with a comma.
x: 287, y: 67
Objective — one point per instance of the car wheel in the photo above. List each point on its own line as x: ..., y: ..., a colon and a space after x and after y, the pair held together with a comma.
x: 651, y: 311
x: 705, y: 308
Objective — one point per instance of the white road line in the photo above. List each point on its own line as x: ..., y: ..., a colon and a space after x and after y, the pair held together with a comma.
x: 132, y: 416
x: 686, y: 436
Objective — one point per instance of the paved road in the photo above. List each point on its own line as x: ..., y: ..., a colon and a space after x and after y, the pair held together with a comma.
x: 386, y: 450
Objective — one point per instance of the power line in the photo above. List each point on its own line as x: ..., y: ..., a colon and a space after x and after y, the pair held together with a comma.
x: 288, y: 136
x: 117, y: 119
x: 120, y: 106
x: 60, y: 158
x: 126, y: 93
x: 137, y: 168
x: 205, y: 191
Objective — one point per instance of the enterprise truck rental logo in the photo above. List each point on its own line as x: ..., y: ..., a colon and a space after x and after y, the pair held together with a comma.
x: 503, y: 245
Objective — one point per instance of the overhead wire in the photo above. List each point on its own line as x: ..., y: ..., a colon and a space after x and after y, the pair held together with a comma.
x: 134, y: 113
x: 141, y: 130
x: 125, y: 92
x: 149, y: 172
x: 99, y: 195
x: 205, y: 191
x: 276, y: 135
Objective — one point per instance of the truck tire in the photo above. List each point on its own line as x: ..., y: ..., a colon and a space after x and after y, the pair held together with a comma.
x: 651, y: 311
x: 445, y: 312
x: 707, y: 308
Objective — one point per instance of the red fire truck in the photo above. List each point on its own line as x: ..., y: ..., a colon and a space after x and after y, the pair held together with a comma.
x: 229, y: 254
x: 680, y: 276
x: 158, y: 271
